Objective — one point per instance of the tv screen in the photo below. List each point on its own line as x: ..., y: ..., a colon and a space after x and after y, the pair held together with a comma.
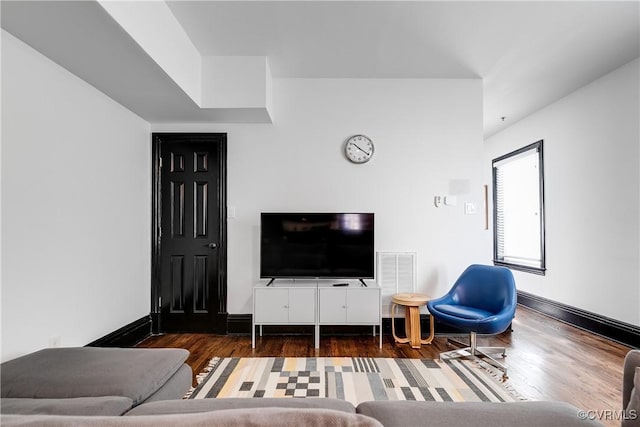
x: 317, y: 245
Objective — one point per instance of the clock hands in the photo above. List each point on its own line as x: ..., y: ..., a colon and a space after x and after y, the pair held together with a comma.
x: 365, y: 152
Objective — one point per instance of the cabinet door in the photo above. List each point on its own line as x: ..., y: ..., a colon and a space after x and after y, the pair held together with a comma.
x: 271, y: 305
x: 363, y: 305
x: 333, y: 303
x: 302, y: 305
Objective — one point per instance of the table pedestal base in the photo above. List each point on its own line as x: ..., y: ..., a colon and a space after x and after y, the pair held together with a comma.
x: 411, y: 325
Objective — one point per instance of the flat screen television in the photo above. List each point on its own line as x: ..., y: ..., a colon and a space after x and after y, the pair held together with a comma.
x: 317, y: 245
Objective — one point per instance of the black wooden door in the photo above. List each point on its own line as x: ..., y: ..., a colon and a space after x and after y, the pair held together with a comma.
x: 192, y: 226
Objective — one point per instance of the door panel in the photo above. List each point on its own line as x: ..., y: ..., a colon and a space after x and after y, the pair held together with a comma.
x: 177, y: 211
x: 302, y: 305
x: 191, y: 273
x: 177, y: 283
x: 200, y: 215
x: 332, y: 305
x: 273, y: 306
x: 363, y: 305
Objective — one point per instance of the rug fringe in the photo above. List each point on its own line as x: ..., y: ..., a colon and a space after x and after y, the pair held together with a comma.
x: 497, y: 375
x: 202, y: 376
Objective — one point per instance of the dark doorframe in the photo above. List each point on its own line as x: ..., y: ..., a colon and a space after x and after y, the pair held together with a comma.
x: 220, y: 139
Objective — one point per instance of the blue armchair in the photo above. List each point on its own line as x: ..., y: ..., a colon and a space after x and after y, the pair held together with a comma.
x: 482, y: 301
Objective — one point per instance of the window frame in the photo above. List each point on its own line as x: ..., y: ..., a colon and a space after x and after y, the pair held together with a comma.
x: 537, y: 146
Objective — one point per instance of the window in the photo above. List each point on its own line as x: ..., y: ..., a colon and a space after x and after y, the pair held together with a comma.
x: 518, y: 210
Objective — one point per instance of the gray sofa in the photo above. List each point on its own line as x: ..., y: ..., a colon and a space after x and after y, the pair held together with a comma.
x: 92, y: 381
x: 143, y: 387
x: 631, y: 389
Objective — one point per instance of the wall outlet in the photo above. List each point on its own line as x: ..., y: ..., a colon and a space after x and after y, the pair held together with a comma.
x: 54, y: 341
x: 469, y: 208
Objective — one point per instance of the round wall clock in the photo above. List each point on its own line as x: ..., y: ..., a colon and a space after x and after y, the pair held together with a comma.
x: 359, y: 149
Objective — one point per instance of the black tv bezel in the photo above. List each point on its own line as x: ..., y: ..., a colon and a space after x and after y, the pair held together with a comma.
x: 373, y: 252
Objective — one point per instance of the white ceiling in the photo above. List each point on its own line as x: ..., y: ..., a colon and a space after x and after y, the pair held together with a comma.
x: 528, y: 54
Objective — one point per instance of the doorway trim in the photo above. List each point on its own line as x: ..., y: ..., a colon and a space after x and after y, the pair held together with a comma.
x: 156, y: 221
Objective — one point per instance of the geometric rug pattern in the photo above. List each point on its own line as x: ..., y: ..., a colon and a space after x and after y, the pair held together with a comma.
x: 355, y: 379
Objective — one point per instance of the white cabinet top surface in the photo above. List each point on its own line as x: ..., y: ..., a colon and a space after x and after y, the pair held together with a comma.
x: 289, y: 283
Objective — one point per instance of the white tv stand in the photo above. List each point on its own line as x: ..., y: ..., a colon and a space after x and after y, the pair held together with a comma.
x: 316, y: 303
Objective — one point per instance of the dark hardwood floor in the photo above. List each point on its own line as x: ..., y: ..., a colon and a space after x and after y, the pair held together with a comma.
x: 547, y: 359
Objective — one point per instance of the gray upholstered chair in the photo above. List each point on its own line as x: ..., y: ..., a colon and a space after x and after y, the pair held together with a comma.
x: 631, y: 389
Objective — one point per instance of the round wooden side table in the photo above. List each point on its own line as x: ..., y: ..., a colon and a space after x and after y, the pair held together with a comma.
x: 412, y: 303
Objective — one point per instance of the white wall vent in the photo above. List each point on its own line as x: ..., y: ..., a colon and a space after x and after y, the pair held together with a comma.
x: 396, y: 273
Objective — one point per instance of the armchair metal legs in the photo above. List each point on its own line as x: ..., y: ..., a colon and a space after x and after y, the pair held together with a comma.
x: 473, y: 351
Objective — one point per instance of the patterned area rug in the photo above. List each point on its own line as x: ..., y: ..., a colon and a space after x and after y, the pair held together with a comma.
x: 356, y: 379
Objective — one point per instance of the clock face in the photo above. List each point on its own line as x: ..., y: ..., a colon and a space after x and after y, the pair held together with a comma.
x: 358, y: 149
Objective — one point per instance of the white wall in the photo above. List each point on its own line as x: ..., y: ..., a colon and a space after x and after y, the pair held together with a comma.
x: 592, y: 207
x: 235, y: 81
x: 75, y: 207
x: 156, y: 30
x: 426, y: 133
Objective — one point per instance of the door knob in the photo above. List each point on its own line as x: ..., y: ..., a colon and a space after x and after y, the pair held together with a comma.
x: 212, y: 245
